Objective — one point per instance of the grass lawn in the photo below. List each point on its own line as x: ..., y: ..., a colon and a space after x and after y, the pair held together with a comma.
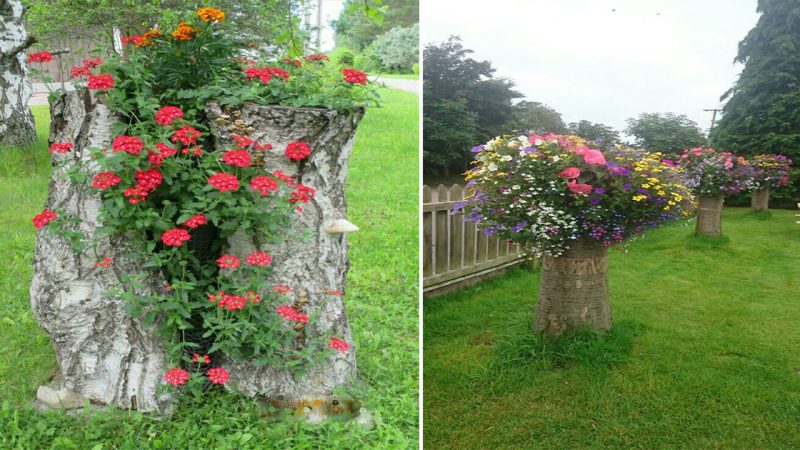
x: 705, y: 351
x: 381, y: 306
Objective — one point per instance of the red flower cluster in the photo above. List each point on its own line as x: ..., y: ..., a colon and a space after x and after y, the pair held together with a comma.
x: 281, y: 175
x: 265, y: 74
x: 282, y: 289
x: 253, y: 297
x: 218, y: 375
x: 80, y: 71
x: 138, y: 41
x: 316, y: 57
x: 196, y: 151
x: 224, y: 182
x: 176, y: 377
x: 296, y: 62
x: 105, y: 263
x: 175, y: 237
x: 261, y: 259
x: 339, y: 344
x: 105, y: 180
x: 242, y: 141
x: 297, y: 150
x: 163, y: 151
x: 280, y: 73
x: 196, y: 357
x: 92, y: 63
x: 130, y: 144
x: 238, y: 158
x: 187, y: 136
x: 40, y: 57
x: 302, y: 194
x: 289, y: 313
x: 228, y: 301
x: 44, y: 218
x: 61, y: 147
x: 102, y: 82
x: 195, y: 221
x: 263, y: 184
x: 148, y: 180
x: 135, y: 194
x: 168, y: 114
x: 353, y: 76
x: 228, y: 262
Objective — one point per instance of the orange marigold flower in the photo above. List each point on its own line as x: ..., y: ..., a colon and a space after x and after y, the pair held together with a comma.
x: 210, y: 15
x: 184, y: 32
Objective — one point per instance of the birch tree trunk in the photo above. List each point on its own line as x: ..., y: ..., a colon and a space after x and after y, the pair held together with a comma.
x: 574, y: 291
x: 104, y: 355
x: 16, y: 120
x: 760, y: 200
x: 309, y: 267
x: 709, y: 216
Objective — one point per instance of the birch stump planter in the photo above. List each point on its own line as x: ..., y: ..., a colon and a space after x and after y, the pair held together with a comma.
x: 574, y: 290
x: 109, y: 357
x: 759, y: 202
x: 709, y: 216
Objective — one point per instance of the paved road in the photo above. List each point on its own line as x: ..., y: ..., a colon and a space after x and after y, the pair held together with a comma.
x: 403, y: 84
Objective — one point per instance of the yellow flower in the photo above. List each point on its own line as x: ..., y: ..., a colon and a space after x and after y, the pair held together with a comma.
x: 184, y: 32
x: 639, y: 198
x: 211, y: 15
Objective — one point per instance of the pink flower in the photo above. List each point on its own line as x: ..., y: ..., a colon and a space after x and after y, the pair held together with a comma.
x: 579, y: 188
x: 228, y: 262
x: 339, y: 344
x: 594, y: 157
x: 218, y: 375
x: 176, y: 377
x: 570, y: 172
x: 261, y: 259
x: 175, y: 237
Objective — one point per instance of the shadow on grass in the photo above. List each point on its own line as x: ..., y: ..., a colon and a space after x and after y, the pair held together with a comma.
x: 590, y: 349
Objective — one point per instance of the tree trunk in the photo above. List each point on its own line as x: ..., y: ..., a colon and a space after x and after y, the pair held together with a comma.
x: 16, y: 120
x: 760, y: 200
x: 709, y: 216
x: 104, y: 354
x: 309, y: 267
x: 574, y: 290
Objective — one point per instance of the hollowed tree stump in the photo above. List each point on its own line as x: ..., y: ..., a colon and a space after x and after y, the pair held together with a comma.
x: 759, y: 202
x: 709, y: 216
x: 574, y: 291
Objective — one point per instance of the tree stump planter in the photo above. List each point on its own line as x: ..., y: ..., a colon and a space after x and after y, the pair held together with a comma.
x: 709, y: 216
x: 574, y: 290
x: 759, y: 202
x: 109, y: 357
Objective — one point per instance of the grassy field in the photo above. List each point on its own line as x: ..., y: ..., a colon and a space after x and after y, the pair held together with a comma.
x: 381, y: 305
x: 705, y: 351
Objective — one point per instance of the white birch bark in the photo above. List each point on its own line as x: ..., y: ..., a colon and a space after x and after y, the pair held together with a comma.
x: 16, y: 120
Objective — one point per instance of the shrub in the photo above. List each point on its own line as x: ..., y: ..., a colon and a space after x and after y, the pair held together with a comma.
x: 398, y: 49
x: 343, y: 56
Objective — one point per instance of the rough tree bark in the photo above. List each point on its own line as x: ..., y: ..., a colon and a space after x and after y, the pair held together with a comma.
x: 709, y: 216
x: 16, y: 120
x: 760, y: 200
x: 104, y: 355
x: 308, y: 267
x: 574, y: 291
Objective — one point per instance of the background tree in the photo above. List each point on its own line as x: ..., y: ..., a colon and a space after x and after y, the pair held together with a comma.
x: 449, y: 131
x: 666, y: 132
x: 398, y: 49
x: 597, y: 132
x: 762, y: 114
x: 356, y: 30
x: 491, y: 100
x: 528, y: 115
x: 16, y: 120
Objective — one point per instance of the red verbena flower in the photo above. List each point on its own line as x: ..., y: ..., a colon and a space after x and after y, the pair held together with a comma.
x: 176, y: 377
x: 196, y: 150
x: 165, y: 150
x: 353, y: 76
x: 61, y: 147
x: 301, y: 194
x: 43, y: 56
x: 149, y: 179
x: 238, y: 158
x: 281, y: 175
x: 263, y: 147
x: 105, y: 263
x: 263, y: 184
x: 130, y: 144
x: 228, y: 262
x: 242, y: 141
x: 195, y: 221
x: 92, y: 62
x: 135, y: 194
x: 105, y: 180
x: 261, y: 259
x: 316, y: 57
x: 218, y: 375
x: 196, y: 357
x: 280, y: 73
x: 80, y: 71
x: 168, y: 114
x: 296, y: 62
x: 297, y: 150
x: 289, y: 313
x: 253, y: 297
x: 175, y: 237
x: 102, y: 82
x: 187, y: 136
x: 224, y: 182
x: 44, y: 218
x: 262, y: 73
x: 282, y: 289
x: 339, y: 344
x: 232, y: 302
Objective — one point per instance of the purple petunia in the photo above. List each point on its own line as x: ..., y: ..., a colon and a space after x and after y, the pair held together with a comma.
x: 478, y: 148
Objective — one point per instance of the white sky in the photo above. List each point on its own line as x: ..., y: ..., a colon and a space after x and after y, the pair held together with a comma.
x: 330, y: 11
x: 588, y: 62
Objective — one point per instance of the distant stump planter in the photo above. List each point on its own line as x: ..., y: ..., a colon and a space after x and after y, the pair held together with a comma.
x: 574, y: 290
x: 759, y: 202
x: 709, y: 216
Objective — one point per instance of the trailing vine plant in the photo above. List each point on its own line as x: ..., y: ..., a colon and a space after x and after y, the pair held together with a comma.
x: 176, y: 201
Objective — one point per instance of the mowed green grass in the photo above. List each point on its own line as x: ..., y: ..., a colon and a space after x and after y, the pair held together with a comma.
x: 381, y: 303
x: 705, y: 351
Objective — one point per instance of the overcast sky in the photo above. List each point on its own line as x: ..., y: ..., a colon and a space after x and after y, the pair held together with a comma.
x: 590, y: 62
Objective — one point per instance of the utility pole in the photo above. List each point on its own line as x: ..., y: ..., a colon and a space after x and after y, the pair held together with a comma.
x: 713, y: 121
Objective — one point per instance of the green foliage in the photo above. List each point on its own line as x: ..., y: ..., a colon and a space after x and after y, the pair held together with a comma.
x: 762, y: 114
x: 528, y: 115
x: 415, y: 68
x: 343, y: 56
x: 368, y: 61
x: 665, y: 132
x: 702, y: 353
x: 398, y: 49
x: 362, y: 21
x: 597, y: 132
x: 450, y: 128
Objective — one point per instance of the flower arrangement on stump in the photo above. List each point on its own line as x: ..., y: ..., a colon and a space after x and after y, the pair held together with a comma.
x: 567, y: 203
x: 768, y: 171
x: 711, y: 176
